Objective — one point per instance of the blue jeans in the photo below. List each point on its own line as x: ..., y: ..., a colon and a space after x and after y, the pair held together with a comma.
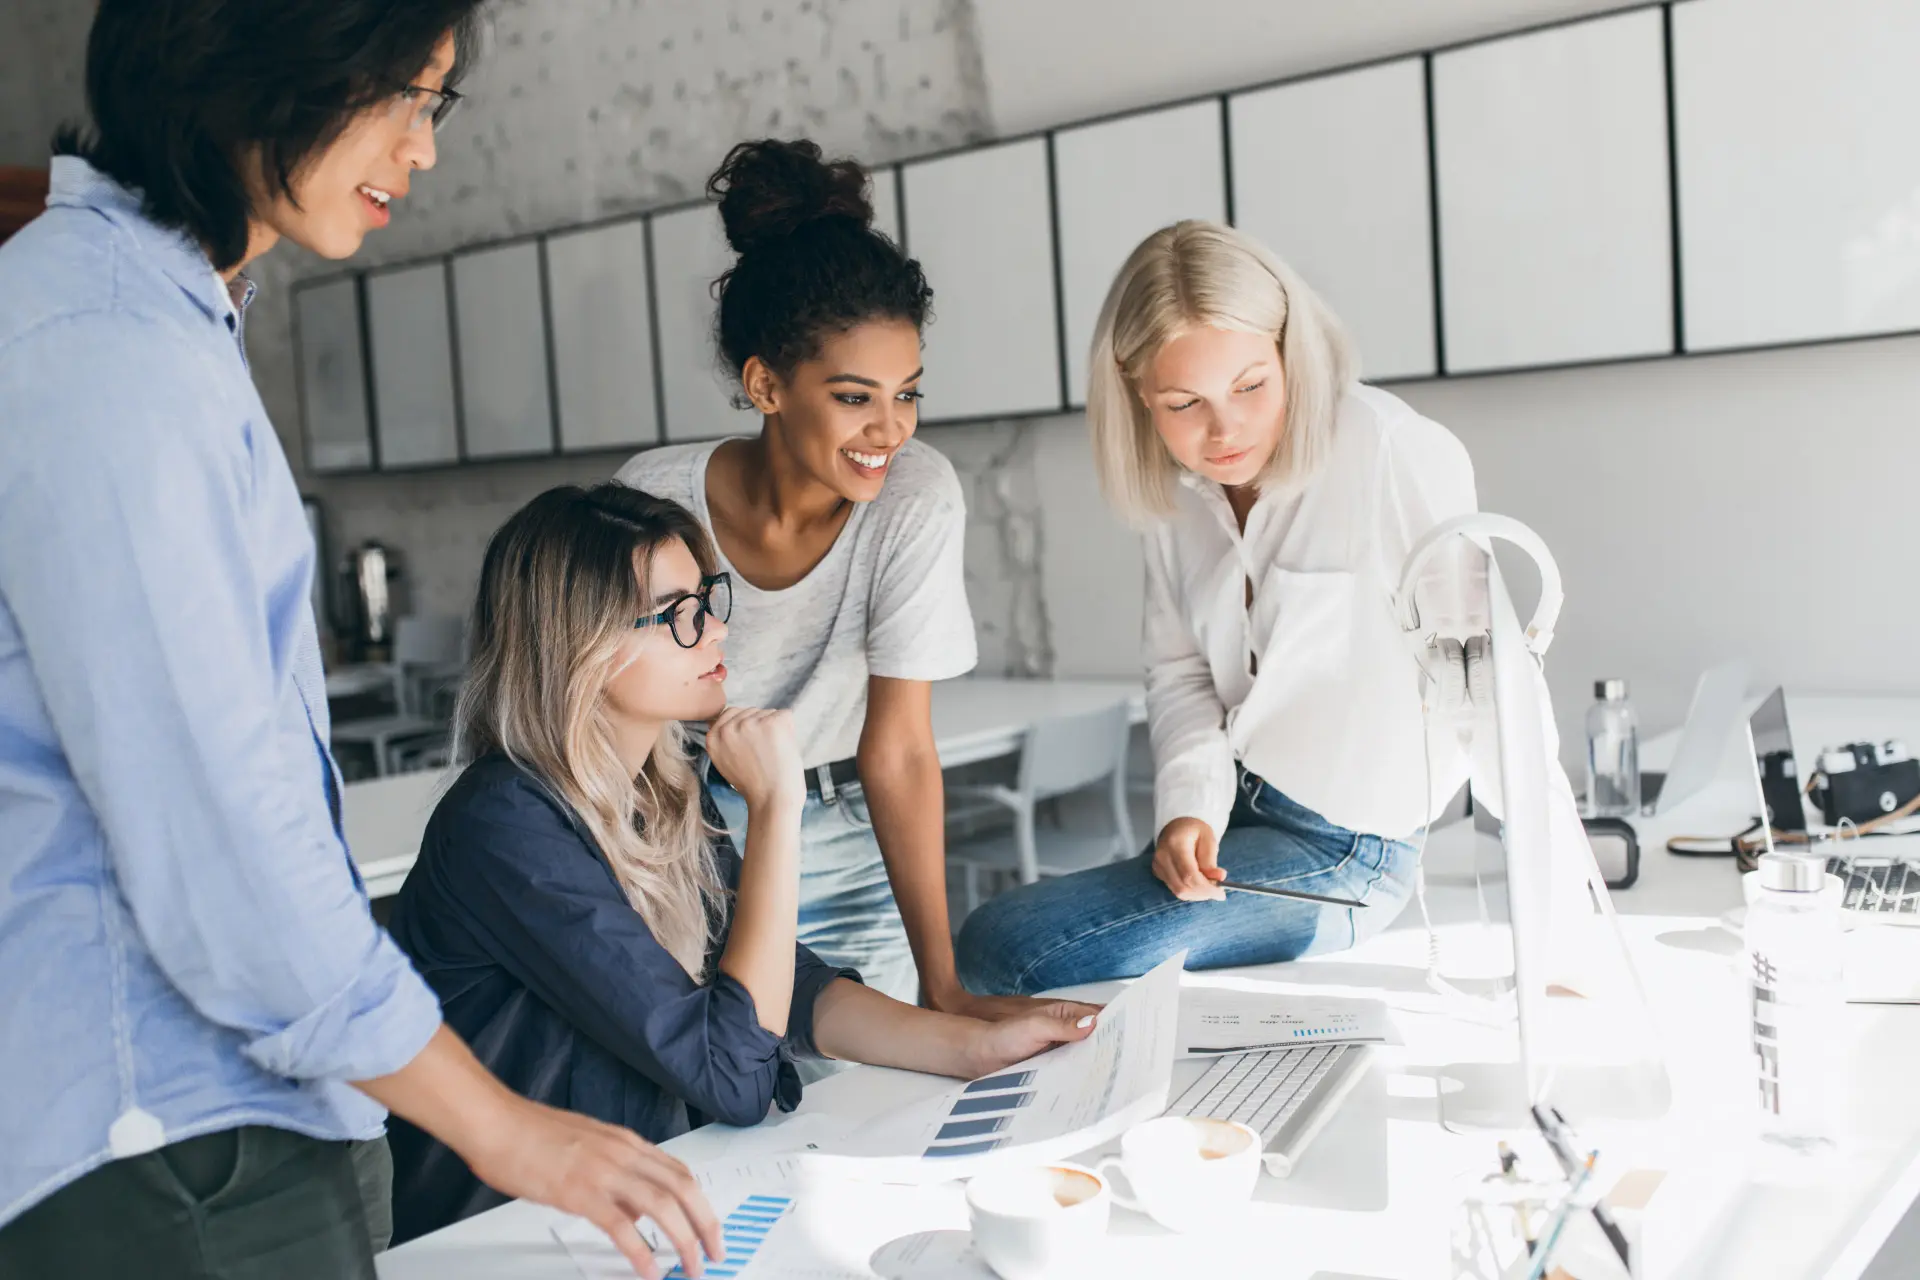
x: 847, y: 912
x: 1119, y: 920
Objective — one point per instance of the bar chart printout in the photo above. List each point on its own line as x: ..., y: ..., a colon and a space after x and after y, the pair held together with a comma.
x: 1064, y: 1100
x: 980, y: 1118
x: 745, y: 1230
x: 755, y: 1196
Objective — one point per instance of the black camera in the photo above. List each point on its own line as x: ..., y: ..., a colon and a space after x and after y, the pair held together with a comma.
x: 1865, y: 782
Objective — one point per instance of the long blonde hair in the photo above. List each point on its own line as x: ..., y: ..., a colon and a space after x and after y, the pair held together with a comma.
x: 1193, y: 275
x: 558, y: 596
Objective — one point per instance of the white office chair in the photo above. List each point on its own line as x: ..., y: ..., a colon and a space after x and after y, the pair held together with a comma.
x: 1059, y: 756
x: 427, y: 650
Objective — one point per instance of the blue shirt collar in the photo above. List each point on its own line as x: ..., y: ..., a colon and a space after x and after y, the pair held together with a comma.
x: 75, y: 183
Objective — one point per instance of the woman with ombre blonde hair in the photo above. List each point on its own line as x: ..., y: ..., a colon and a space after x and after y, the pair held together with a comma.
x: 578, y: 906
x: 1277, y: 498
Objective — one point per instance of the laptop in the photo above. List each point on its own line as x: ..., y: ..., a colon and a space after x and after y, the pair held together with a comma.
x: 1880, y: 875
x: 1711, y: 718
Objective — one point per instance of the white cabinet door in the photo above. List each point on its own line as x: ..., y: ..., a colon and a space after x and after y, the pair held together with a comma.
x: 333, y: 376
x: 1556, y: 235
x: 500, y: 331
x: 689, y: 253
x: 1799, y: 169
x: 598, y: 287
x: 886, y: 202
x: 1117, y: 182
x: 412, y: 349
x: 1331, y: 174
x: 978, y: 222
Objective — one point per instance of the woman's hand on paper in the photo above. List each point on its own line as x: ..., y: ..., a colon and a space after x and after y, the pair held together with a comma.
x: 957, y: 999
x: 1186, y: 860
x: 1000, y: 1044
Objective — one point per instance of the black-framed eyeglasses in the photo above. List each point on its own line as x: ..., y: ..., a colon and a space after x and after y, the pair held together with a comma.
x: 686, y: 617
x: 424, y: 106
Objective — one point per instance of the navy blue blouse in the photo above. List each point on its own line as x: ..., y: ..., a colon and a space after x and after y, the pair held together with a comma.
x: 516, y: 921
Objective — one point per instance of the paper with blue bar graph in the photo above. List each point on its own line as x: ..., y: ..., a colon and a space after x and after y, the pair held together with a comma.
x: 1231, y: 1019
x: 781, y: 1222
x: 1067, y: 1100
x: 762, y: 1201
x: 744, y: 1230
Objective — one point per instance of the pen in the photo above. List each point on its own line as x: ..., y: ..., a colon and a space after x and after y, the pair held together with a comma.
x: 1291, y: 893
x: 1556, y: 1131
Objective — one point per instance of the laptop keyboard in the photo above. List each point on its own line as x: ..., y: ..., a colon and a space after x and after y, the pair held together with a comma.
x: 1878, y: 888
x: 1268, y: 1091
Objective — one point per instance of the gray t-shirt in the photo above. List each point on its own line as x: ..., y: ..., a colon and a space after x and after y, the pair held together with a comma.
x: 888, y: 599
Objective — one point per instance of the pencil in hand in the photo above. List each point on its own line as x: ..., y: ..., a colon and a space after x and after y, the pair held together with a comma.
x: 1299, y: 894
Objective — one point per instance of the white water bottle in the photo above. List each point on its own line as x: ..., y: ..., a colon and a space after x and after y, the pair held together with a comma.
x: 1794, y: 977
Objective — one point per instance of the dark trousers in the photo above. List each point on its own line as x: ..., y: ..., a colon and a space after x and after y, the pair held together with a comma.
x: 242, y: 1204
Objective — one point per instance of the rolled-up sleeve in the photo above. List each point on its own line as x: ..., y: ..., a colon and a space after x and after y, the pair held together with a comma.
x: 127, y: 556
x: 551, y: 914
x: 811, y: 976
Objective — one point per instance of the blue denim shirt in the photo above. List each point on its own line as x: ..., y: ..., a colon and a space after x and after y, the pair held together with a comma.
x: 184, y: 944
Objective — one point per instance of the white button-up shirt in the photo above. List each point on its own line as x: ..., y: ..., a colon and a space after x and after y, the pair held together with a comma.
x: 1314, y: 686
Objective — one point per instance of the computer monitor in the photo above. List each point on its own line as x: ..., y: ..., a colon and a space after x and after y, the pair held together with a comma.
x: 1557, y: 902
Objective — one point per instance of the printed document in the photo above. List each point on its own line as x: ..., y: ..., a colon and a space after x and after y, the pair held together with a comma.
x: 1051, y: 1106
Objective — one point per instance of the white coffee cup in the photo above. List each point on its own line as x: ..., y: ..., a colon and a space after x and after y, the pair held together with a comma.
x: 1040, y: 1220
x: 1186, y: 1172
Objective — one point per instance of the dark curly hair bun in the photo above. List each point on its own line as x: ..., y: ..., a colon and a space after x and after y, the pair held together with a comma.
x: 811, y: 265
x: 769, y: 189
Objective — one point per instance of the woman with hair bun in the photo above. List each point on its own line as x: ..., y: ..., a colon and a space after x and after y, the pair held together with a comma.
x: 843, y: 536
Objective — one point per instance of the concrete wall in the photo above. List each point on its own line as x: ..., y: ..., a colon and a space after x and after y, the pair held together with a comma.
x: 1063, y: 60
x: 42, y: 66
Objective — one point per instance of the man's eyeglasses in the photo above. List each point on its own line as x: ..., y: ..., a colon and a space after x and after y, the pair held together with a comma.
x: 423, y: 106
x: 686, y: 617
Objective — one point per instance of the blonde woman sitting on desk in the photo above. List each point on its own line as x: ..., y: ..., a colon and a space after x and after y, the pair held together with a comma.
x: 1278, y: 498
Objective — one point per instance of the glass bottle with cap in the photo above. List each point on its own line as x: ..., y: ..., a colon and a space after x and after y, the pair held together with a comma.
x: 1613, y: 753
x: 1794, y: 979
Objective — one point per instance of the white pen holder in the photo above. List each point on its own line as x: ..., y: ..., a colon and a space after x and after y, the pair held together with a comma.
x: 1488, y: 1236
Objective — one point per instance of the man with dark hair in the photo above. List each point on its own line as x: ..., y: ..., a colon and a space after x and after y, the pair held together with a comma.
x: 203, y: 1023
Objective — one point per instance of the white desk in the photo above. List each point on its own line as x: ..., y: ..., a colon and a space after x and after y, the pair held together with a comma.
x: 979, y: 719
x: 1835, y: 1229
x: 1375, y: 1195
x: 383, y: 819
x: 358, y: 678
x: 973, y: 720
